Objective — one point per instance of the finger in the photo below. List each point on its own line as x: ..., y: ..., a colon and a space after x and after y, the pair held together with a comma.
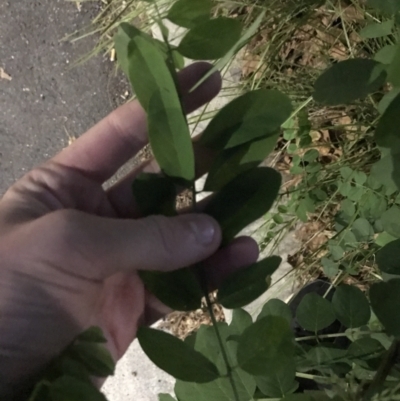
x: 120, y: 194
x: 100, y: 152
x: 103, y: 247
x: 239, y: 254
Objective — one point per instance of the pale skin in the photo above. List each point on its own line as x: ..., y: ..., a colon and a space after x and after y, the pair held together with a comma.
x: 70, y: 250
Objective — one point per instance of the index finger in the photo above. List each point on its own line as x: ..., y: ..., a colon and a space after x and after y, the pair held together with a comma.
x: 102, y: 150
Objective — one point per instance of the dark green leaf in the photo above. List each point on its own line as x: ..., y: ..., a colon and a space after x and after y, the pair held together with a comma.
x: 391, y: 221
x: 165, y: 397
x: 40, y: 392
x: 394, y: 68
x: 362, y: 229
x: 276, y: 307
x: 154, y: 194
x: 386, y: 6
x: 387, y: 132
x: 385, y: 301
x: 179, y: 289
x: 93, y: 334
x: 336, y: 251
x: 351, y: 306
x: 232, y: 162
x: 245, y: 199
x: 266, y: 344
x: 176, y: 357
x: 349, y: 80
x: 365, y: 348
x: 315, y: 313
x: 210, y: 40
x: 155, y: 88
x: 246, y: 285
x: 377, y: 29
x: 387, y: 99
x: 311, y: 155
x: 330, y: 267
x: 348, y: 207
x: 278, y: 381
x: 240, y: 321
x: 70, y: 389
x: 189, y: 13
x: 383, y: 239
x: 74, y: 368
x: 321, y: 356
x: 95, y: 357
x: 383, y: 171
x: 386, y: 54
x: 253, y: 115
x: 220, y: 389
x: 388, y: 258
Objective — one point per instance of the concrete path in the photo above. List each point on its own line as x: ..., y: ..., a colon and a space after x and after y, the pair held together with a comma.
x: 45, y: 100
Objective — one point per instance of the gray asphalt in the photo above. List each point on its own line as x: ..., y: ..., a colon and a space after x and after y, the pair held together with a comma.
x: 46, y: 100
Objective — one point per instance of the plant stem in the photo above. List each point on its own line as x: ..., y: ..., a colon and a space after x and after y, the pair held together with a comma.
x: 221, y: 345
x: 382, y: 372
x: 335, y: 335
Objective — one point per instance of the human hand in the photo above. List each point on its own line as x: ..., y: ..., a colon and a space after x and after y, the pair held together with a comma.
x: 70, y: 250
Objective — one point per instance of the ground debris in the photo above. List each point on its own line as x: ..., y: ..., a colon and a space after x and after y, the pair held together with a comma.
x: 4, y: 75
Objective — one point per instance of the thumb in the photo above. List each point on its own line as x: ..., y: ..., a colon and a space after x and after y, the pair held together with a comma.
x: 106, y: 246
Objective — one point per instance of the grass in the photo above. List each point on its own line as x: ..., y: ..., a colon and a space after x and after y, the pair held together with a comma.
x: 297, y: 40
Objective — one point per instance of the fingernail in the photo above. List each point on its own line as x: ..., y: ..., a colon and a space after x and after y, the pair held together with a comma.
x: 204, y: 230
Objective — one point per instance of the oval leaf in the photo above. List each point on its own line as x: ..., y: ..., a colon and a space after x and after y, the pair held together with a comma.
x: 155, y: 88
x: 349, y: 80
x: 386, y: 54
x: 391, y: 221
x: 276, y: 307
x: 377, y: 30
x: 351, y: 306
x: 232, y: 162
x: 179, y: 289
x: 388, y: 258
x: 70, y: 389
x: 154, y: 194
x: 210, y: 40
x: 176, y: 357
x: 245, y: 199
x: 240, y: 321
x: 394, y: 68
x: 189, y: 13
x: 315, y: 313
x: 244, y: 286
x: 266, y: 344
x: 253, y: 115
x: 95, y: 357
x: 387, y: 132
x: 385, y: 302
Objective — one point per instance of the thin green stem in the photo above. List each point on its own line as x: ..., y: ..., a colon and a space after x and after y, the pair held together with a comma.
x: 222, y: 346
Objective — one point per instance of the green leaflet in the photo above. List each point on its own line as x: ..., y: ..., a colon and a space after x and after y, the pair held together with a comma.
x: 70, y: 389
x: 168, y: 131
x: 92, y: 334
x: 245, y: 199
x: 210, y: 40
x: 176, y: 357
x: 276, y: 307
x: 351, y: 306
x: 391, y: 221
x: 244, y: 286
x: 189, y: 13
x: 240, y: 321
x: 256, y: 114
x: 377, y: 30
x: 315, y: 313
x: 266, y: 344
x: 95, y: 357
x: 154, y: 194
x: 349, y: 80
x: 386, y: 6
x: 387, y: 132
x: 388, y: 258
x: 394, y: 68
x: 278, y: 381
x: 179, y: 289
x: 385, y: 301
x: 232, y: 162
x: 386, y: 54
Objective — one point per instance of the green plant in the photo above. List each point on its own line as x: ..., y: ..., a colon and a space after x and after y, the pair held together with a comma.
x: 263, y: 360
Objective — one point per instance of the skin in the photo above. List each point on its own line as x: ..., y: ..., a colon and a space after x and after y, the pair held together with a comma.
x: 70, y: 250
